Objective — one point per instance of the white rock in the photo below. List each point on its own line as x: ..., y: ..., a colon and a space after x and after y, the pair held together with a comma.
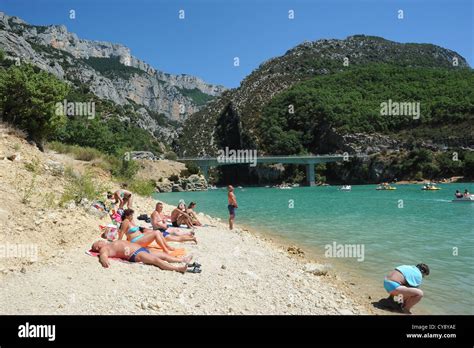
x: 56, y: 168
x: 316, y: 268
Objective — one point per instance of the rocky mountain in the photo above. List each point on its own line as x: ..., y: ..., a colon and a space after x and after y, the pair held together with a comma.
x: 110, y: 72
x: 232, y: 119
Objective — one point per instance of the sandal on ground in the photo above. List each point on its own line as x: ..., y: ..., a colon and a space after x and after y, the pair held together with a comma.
x: 194, y: 264
x: 194, y: 270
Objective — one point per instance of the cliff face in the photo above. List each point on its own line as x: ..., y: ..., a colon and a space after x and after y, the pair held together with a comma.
x: 210, y: 129
x: 109, y: 70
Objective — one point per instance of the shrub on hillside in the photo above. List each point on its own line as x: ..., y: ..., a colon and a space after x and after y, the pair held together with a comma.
x: 192, y: 168
x: 142, y: 187
x: 174, y: 178
x: 86, y: 153
x: 27, y: 99
x: 123, y: 169
x: 170, y: 155
x: 79, y: 187
x: 80, y: 153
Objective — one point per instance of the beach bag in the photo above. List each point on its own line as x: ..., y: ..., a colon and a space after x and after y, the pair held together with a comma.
x: 116, y: 217
x: 109, y: 232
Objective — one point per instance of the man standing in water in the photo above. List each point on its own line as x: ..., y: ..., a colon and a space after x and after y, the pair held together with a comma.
x: 232, y: 205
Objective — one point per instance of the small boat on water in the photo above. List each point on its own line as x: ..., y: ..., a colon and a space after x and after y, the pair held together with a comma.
x: 212, y: 187
x: 346, y: 188
x: 430, y: 187
x: 385, y: 187
x: 468, y: 198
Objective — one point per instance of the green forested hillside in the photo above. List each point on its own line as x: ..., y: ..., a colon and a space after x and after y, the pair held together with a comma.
x: 112, y: 67
x: 350, y: 102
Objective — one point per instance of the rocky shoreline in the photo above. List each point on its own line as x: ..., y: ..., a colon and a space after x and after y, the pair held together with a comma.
x: 243, y: 273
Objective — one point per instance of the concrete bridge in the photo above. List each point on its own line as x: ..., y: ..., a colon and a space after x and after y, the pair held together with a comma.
x: 205, y: 163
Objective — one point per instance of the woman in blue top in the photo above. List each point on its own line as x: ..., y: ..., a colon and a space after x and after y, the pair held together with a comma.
x: 405, y: 280
x: 141, y: 235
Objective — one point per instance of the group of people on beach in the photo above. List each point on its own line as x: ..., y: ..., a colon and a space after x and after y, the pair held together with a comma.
x: 135, y: 248
x: 138, y: 238
x: 403, y: 281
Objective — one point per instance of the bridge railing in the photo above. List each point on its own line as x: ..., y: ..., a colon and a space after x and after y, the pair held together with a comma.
x: 290, y: 157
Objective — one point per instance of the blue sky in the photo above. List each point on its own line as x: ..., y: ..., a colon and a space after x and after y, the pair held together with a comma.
x: 213, y: 32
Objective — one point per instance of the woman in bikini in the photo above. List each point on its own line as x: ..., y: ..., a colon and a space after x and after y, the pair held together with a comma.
x: 405, y: 280
x: 140, y: 235
x: 123, y: 197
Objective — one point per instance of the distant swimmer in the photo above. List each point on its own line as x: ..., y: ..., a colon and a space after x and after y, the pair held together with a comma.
x: 405, y: 280
x: 458, y: 194
x: 232, y: 205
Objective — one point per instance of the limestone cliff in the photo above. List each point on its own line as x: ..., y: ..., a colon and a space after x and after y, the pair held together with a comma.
x: 109, y: 70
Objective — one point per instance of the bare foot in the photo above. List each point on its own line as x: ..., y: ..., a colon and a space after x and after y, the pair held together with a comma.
x: 182, y: 269
x: 195, y: 240
x: 187, y: 259
x: 406, y: 311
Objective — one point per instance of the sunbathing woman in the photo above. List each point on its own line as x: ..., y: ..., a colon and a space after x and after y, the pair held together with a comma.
x: 171, y: 234
x: 180, y: 217
x: 140, y: 235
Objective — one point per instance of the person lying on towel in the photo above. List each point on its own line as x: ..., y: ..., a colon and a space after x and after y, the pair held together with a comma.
x: 135, y: 253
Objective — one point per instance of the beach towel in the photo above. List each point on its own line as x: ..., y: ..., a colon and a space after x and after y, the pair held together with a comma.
x: 95, y: 254
x: 176, y: 253
x: 180, y: 226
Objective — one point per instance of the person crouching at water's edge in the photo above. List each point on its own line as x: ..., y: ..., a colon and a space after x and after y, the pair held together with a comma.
x: 405, y: 280
x: 232, y: 205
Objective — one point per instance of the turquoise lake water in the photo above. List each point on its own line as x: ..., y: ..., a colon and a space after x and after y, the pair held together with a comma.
x: 406, y: 226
